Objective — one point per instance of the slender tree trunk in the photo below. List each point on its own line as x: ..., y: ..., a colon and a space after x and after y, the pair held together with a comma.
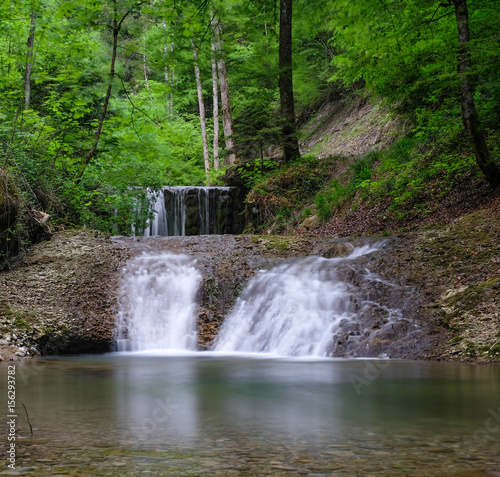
x: 289, y: 139
x: 201, y: 105
x: 145, y: 66
x: 470, y: 116
x: 169, y: 76
x: 215, y: 92
x: 93, y: 149
x: 172, y: 81
x: 29, y: 62
x: 227, y: 117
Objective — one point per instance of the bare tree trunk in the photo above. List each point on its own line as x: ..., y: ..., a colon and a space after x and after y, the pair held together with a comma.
x: 29, y: 62
x: 169, y: 77
x: 215, y: 92
x: 227, y: 117
x: 289, y: 139
x: 145, y: 67
x: 470, y: 116
x: 172, y: 80
x: 201, y: 105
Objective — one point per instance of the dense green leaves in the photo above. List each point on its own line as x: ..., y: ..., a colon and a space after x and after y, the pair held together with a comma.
x: 405, y: 52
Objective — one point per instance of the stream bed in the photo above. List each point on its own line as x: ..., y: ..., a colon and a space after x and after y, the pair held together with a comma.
x: 211, y: 414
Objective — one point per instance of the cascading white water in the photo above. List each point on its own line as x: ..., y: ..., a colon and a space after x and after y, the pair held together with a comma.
x: 157, y: 307
x: 193, y: 211
x: 295, y: 308
x: 204, y: 210
x: 159, y: 225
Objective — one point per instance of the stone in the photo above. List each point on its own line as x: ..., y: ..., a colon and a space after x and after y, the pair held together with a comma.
x: 283, y: 467
x: 311, y: 222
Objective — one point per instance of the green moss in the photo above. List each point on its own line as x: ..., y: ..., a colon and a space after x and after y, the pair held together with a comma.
x: 211, y: 289
x: 471, y: 297
x: 456, y: 340
x: 20, y: 323
x: 276, y: 242
x: 19, y: 319
x: 492, y: 350
x: 471, y: 349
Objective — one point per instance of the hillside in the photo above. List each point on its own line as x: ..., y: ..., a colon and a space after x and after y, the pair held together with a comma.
x: 361, y: 173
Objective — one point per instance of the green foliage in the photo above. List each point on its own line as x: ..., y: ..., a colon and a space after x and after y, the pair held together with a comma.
x: 407, y: 53
x: 362, y: 168
x: 276, y: 198
x: 332, y: 198
x: 253, y: 172
x: 142, y: 144
x: 404, y: 51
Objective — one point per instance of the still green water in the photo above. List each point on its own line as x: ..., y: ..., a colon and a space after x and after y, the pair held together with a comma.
x: 203, y: 414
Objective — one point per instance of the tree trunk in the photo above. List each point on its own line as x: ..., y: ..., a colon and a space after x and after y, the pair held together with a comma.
x: 201, y: 105
x: 145, y: 66
x: 227, y: 117
x: 29, y: 62
x: 289, y: 139
x: 470, y: 116
x: 169, y: 77
x: 93, y: 149
x: 215, y: 92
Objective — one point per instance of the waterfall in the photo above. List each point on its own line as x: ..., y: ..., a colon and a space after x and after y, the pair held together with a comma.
x: 310, y: 306
x: 158, y: 226
x: 297, y: 308
x: 195, y: 211
x: 157, y: 307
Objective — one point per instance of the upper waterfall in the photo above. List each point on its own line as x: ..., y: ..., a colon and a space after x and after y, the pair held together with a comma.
x: 195, y: 211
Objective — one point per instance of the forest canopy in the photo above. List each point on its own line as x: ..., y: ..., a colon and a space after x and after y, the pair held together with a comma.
x: 101, y: 100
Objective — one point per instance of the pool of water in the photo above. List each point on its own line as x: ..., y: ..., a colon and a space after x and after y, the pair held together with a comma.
x: 205, y: 414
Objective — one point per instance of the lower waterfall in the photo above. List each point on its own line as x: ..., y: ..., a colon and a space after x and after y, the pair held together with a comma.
x: 157, y: 305
x: 310, y: 306
x: 297, y: 309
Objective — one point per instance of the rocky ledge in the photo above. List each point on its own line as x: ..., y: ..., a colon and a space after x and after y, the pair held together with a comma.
x: 60, y: 297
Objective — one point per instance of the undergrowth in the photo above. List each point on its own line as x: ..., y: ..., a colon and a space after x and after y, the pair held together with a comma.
x: 411, y: 177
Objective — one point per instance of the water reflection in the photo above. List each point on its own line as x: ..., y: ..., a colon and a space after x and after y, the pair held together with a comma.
x: 202, y: 411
